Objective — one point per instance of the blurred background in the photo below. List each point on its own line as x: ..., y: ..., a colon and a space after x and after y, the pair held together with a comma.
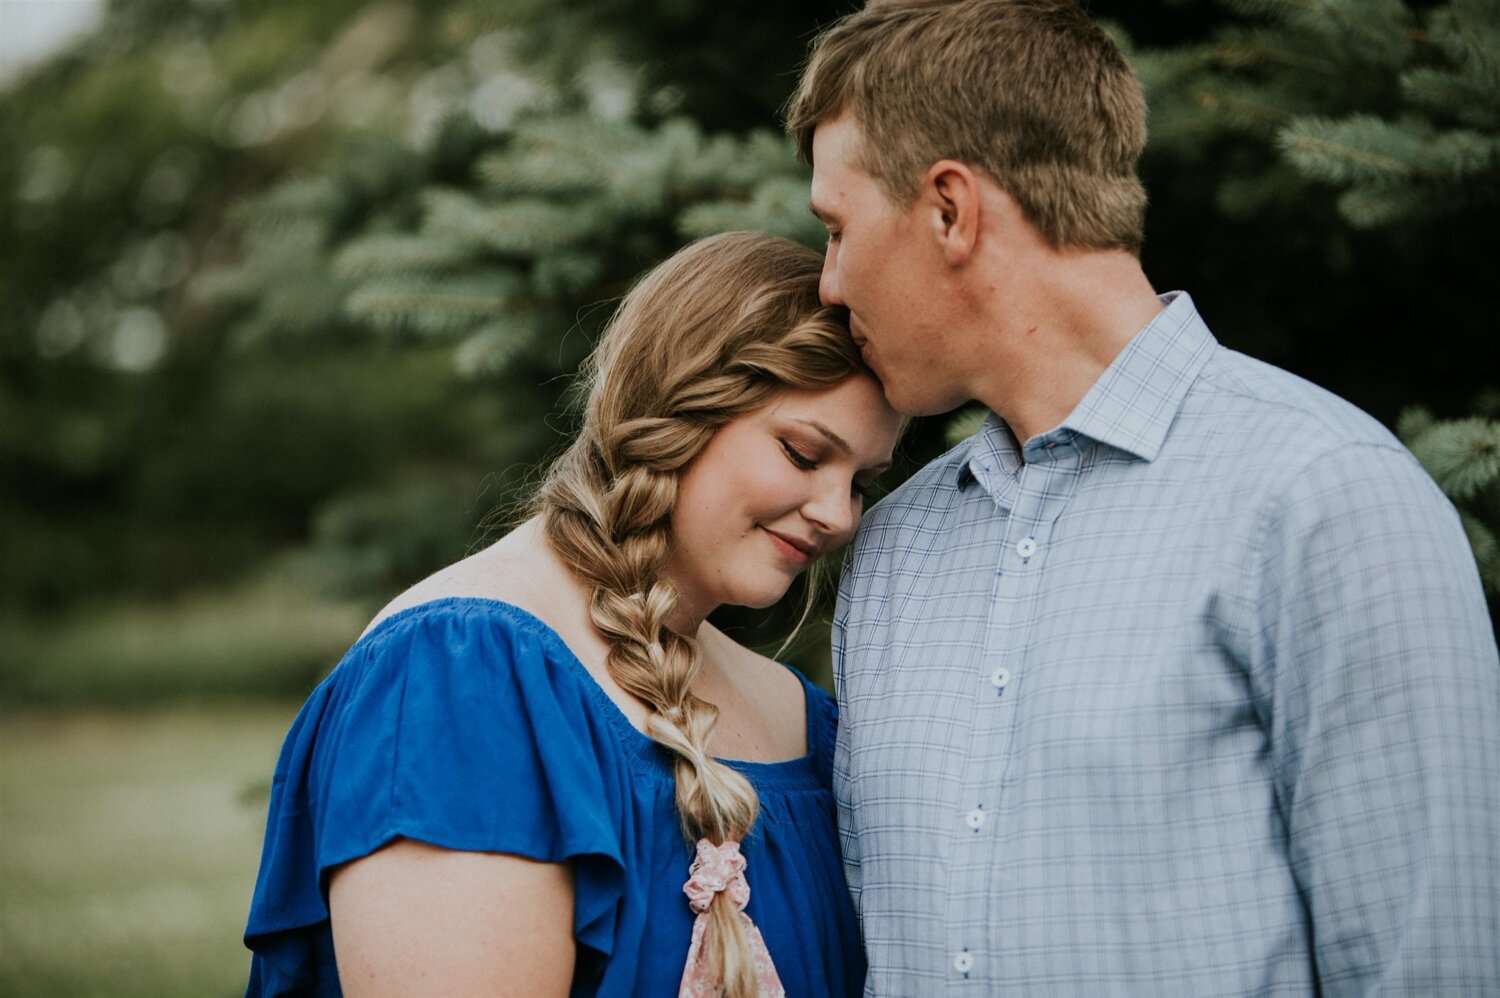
x: 291, y: 294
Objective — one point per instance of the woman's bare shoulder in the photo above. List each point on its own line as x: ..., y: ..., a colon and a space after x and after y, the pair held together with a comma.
x: 519, y: 569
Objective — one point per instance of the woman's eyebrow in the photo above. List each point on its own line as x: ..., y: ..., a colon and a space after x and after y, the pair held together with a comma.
x: 833, y: 437
x: 838, y: 441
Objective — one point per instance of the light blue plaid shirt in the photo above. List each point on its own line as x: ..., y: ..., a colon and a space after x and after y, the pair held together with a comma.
x: 1195, y: 694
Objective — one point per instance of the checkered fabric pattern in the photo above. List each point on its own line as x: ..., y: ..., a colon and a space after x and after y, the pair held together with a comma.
x: 1195, y: 694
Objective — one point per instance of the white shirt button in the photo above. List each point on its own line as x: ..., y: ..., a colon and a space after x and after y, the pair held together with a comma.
x: 1026, y: 547
x: 975, y: 818
x: 1000, y: 677
x: 963, y: 962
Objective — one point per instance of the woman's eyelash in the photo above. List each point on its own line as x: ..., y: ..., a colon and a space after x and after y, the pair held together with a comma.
x: 798, y: 458
x: 801, y: 460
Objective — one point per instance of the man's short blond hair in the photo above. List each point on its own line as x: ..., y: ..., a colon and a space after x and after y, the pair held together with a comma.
x: 1030, y: 92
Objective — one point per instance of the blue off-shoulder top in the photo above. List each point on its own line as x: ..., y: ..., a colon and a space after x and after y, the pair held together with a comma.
x: 468, y: 724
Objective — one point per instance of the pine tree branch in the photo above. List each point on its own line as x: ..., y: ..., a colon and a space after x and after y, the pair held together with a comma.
x: 1413, y: 422
x: 1457, y: 155
x: 1310, y: 147
x: 777, y: 206
x: 1382, y: 24
x: 1463, y: 96
x: 1486, y: 550
x: 1462, y: 18
x: 395, y: 254
x: 1237, y: 48
x: 491, y: 349
x: 1248, y: 113
x: 1341, y: 151
x: 1462, y: 455
x: 440, y: 307
x: 1373, y: 205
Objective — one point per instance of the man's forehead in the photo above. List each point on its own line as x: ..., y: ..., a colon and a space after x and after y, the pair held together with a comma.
x: 821, y: 196
x: 837, y: 136
x: 832, y: 163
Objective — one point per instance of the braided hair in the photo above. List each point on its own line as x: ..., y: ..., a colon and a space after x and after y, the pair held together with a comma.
x: 715, y: 331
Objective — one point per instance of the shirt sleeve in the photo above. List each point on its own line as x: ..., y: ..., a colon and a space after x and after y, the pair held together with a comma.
x: 449, y: 728
x: 1375, y: 668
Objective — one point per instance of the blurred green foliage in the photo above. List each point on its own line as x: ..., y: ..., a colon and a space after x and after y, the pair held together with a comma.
x: 274, y: 636
x: 305, y: 284
x: 1343, y: 158
x: 140, y: 451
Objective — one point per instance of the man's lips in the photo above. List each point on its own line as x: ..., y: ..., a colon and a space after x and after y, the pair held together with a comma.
x: 860, y: 341
x: 795, y: 549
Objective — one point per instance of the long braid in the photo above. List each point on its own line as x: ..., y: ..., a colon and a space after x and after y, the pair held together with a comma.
x: 715, y: 332
x: 620, y: 557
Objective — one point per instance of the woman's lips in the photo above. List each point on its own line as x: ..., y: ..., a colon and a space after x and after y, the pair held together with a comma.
x: 795, y: 550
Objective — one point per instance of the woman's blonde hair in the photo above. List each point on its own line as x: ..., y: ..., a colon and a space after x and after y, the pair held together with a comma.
x: 715, y: 331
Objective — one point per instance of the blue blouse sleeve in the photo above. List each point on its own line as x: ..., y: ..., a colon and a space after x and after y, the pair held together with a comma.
x: 823, y: 724
x: 452, y: 725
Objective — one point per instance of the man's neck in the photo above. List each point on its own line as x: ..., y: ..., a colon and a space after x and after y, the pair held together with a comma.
x: 1056, y: 333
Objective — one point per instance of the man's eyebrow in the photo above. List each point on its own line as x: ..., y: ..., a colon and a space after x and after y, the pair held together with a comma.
x: 817, y: 212
x: 839, y: 441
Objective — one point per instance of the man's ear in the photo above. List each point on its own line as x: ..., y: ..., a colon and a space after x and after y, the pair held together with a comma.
x: 952, y: 188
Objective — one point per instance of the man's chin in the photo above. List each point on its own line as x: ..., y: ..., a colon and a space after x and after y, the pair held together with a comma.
x: 914, y: 405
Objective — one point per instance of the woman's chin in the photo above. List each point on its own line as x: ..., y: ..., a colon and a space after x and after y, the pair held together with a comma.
x: 766, y: 597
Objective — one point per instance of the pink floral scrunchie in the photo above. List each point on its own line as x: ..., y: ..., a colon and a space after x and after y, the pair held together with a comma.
x: 716, y: 869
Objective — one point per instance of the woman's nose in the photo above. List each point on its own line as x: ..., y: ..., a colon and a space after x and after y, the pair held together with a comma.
x: 833, y: 509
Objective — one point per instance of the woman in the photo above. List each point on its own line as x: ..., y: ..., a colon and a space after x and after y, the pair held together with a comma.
x: 504, y: 784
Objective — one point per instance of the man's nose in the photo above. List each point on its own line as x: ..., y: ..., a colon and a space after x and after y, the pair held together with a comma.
x: 828, y: 284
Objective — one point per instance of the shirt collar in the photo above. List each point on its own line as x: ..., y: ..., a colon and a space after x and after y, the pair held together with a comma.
x: 993, y: 458
x: 1132, y: 404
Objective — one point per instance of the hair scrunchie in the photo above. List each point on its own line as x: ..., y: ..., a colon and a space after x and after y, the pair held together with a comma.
x: 715, y: 870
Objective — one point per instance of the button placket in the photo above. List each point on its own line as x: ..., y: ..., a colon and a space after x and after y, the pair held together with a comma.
x: 1041, y: 493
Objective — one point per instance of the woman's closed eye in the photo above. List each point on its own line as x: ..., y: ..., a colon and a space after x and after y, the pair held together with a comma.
x: 865, y: 490
x: 798, y: 458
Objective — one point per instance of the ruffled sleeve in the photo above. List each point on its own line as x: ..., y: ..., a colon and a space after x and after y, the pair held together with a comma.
x: 452, y: 724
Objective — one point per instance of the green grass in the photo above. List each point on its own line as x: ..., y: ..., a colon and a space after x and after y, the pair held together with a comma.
x: 128, y: 848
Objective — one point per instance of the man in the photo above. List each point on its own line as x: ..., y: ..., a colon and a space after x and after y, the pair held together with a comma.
x: 1176, y: 678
